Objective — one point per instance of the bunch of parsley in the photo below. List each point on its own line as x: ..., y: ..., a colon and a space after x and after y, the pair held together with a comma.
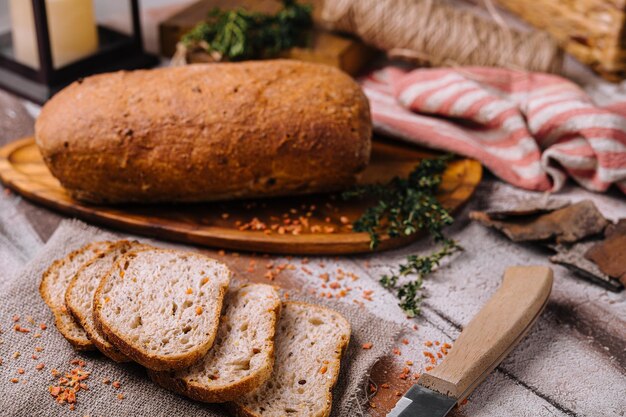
x: 240, y: 34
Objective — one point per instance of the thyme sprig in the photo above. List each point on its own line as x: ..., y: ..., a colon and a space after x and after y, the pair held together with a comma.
x: 410, y: 293
x: 404, y: 206
x: 240, y: 34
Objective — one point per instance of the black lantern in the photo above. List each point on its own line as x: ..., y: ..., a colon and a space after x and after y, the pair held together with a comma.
x: 53, y: 42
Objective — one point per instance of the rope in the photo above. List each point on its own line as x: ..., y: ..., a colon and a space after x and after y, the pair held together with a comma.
x: 428, y: 31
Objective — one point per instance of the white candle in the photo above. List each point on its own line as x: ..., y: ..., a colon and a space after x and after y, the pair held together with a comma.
x: 72, y: 28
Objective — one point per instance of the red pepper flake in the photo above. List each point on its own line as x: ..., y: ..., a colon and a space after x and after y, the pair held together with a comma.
x: 323, y: 369
x: 410, y: 363
x: 396, y: 351
x: 428, y: 343
x: 116, y: 384
x: 43, y: 326
x: 405, y: 342
x: 16, y: 318
x: 385, y: 385
x: 367, y: 345
x: 15, y: 380
x: 39, y: 366
x: 429, y: 368
x: 69, y: 385
x: 38, y: 349
x: 106, y: 381
x: 436, y: 342
x: 20, y: 371
x: 120, y: 396
x: 21, y: 329
x: 447, y: 345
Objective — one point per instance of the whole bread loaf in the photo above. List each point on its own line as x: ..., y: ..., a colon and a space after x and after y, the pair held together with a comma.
x: 206, y: 132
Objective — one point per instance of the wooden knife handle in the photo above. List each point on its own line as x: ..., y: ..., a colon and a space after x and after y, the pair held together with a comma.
x: 493, y: 332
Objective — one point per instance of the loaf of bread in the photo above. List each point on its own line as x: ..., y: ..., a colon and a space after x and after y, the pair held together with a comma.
x: 53, y: 286
x: 310, y: 341
x: 82, y: 288
x: 161, y: 308
x: 206, y: 132
x: 242, y: 356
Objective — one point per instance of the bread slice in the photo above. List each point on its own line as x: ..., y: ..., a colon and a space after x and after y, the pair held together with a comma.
x: 54, y: 283
x: 80, y: 292
x: 242, y: 356
x: 310, y: 341
x: 161, y: 307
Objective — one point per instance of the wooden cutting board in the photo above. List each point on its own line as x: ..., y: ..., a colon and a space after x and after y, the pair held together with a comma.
x: 315, y: 225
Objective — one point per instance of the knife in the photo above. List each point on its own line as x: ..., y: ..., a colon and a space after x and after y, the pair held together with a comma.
x: 484, y: 343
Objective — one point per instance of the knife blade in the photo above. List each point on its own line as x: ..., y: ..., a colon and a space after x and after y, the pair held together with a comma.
x: 497, y: 328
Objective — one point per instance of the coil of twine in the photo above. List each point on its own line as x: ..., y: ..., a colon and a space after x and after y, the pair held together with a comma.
x: 429, y: 31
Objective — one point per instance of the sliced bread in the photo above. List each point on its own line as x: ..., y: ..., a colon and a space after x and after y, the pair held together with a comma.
x: 161, y: 307
x: 54, y: 283
x: 80, y: 292
x: 310, y: 341
x: 242, y: 356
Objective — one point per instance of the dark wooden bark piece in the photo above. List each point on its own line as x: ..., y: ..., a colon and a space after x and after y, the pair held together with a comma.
x: 573, y: 258
x: 566, y: 225
x: 610, y: 254
x: 513, y: 207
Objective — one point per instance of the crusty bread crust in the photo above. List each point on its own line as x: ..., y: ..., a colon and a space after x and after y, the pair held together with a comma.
x: 139, y: 354
x: 201, y: 392
x: 207, y: 132
x: 63, y: 320
x: 240, y: 410
x: 106, y: 348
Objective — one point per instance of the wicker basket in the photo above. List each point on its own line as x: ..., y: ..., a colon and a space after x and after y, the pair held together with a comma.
x: 590, y: 30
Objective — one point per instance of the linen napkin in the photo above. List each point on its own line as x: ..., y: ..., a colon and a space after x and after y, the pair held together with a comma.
x: 532, y: 130
x: 25, y: 387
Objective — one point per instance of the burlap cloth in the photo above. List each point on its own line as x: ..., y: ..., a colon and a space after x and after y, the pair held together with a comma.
x: 30, y: 397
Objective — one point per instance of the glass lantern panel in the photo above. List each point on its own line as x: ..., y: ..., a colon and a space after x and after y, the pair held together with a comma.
x: 71, y: 27
x: 114, y: 15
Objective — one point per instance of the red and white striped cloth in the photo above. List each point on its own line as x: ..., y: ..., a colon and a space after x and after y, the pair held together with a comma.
x: 532, y: 130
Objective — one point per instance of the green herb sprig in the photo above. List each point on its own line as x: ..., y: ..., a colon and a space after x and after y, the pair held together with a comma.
x: 405, y: 206
x: 241, y: 34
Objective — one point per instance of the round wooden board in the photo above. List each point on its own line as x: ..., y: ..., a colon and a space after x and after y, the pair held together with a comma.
x: 219, y: 224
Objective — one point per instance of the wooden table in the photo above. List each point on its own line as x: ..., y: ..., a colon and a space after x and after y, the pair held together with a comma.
x: 572, y: 363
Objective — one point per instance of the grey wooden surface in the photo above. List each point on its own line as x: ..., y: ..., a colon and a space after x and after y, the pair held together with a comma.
x: 573, y: 363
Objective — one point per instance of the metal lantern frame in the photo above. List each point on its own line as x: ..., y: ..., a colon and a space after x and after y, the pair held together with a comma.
x: 116, y: 51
